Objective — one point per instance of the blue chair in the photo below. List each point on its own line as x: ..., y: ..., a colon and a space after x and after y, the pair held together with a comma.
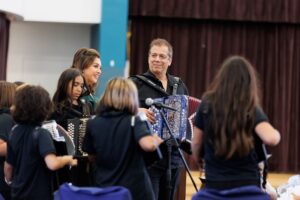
x: 240, y: 193
x: 68, y: 191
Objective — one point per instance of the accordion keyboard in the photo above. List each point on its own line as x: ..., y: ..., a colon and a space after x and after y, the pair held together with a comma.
x: 77, y: 129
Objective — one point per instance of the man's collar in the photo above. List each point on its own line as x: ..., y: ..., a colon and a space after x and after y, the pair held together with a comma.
x: 150, y: 75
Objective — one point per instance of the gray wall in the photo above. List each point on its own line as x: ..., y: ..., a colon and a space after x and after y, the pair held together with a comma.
x: 39, y: 52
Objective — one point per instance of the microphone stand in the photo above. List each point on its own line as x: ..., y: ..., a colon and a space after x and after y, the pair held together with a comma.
x: 180, y: 153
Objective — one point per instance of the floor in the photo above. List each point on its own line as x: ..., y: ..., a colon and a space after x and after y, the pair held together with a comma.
x: 276, y: 179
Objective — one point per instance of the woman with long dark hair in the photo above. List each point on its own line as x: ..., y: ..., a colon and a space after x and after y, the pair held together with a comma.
x: 67, y: 98
x: 69, y: 105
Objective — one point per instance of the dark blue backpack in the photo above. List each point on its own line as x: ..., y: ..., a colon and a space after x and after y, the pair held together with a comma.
x: 68, y: 191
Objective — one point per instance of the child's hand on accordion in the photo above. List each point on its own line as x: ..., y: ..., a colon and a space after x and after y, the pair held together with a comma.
x: 54, y: 162
x: 157, y: 139
x: 73, y: 162
x: 70, y: 160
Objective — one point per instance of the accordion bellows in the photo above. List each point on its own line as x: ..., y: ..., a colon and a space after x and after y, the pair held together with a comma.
x: 59, y: 134
x: 73, y: 137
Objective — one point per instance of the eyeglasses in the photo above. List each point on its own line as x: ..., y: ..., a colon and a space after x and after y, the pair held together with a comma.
x: 160, y: 56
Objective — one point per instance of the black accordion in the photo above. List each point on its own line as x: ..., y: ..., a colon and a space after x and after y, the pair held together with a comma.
x: 82, y: 175
x: 76, y: 129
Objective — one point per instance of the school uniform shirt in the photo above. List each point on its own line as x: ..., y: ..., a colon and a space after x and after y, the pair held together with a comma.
x: 6, y: 123
x: 27, y: 147
x: 234, y: 169
x: 119, y: 160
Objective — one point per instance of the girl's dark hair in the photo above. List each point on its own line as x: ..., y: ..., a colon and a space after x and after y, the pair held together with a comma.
x: 233, y: 97
x: 61, y: 99
x: 32, y: 105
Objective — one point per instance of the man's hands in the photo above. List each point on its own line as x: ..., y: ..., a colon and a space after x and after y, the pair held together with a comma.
x: 149, y: 114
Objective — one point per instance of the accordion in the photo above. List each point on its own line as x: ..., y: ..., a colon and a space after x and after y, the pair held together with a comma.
x: 52, y: 127
x: 180, y: 121
x: 59, y: 135
x: 76, y: 129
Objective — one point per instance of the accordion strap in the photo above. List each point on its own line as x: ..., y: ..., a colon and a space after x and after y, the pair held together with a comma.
x: 151, y: 84
x: 156, y: 87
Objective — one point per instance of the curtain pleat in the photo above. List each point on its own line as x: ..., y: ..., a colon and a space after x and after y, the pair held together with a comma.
x: 277, y: 11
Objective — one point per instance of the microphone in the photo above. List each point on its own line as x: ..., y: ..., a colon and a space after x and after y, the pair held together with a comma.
x: 150, y: 102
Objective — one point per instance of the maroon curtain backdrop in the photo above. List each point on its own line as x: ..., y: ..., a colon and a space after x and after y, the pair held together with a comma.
x: 4, y: 37
x: 238, y: 10
x: 201, y: 44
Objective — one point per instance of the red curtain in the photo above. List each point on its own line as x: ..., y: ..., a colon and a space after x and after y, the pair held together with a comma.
x: 200, y: 45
